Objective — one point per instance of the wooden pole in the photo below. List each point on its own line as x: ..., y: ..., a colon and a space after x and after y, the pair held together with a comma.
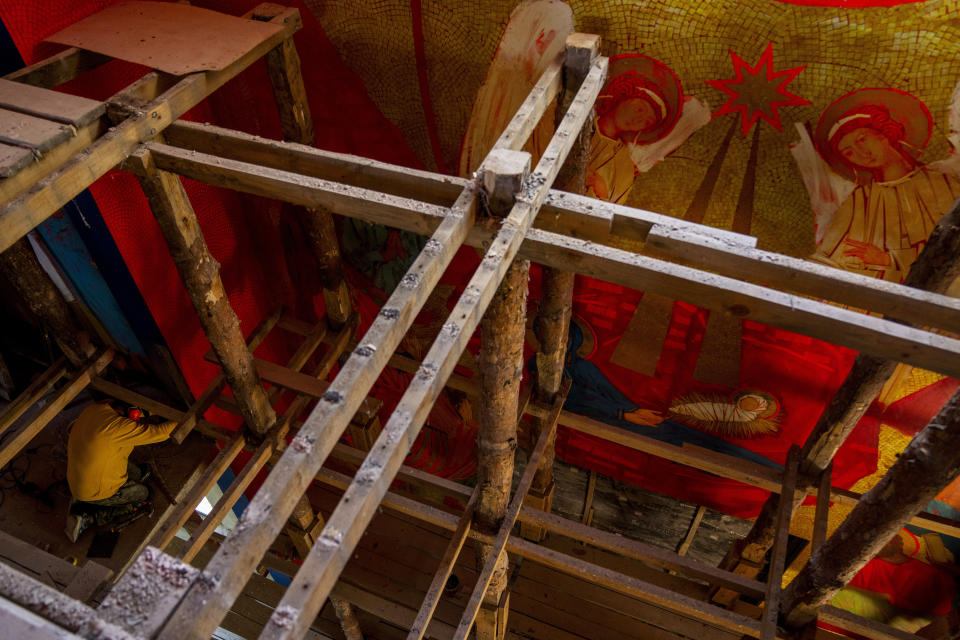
x: 557, y: 285
x: 934, y: 270
x: 20, y: 266
x: 200, y: 273
x: 929, y: 463
x: 501, y: 368
x: 296, y: 122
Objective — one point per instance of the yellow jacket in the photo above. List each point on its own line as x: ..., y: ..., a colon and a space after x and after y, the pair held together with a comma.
x: 100, y: 442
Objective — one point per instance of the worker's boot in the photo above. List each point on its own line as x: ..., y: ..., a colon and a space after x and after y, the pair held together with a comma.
x: 77, y: 523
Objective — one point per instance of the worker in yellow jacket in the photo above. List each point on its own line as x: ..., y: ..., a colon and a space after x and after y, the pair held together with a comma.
x: 104, y: 483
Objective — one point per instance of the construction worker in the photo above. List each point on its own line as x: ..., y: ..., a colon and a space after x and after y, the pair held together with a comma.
x: 105, y: 485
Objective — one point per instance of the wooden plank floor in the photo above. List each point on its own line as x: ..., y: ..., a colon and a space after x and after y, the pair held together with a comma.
x: 397, y: 557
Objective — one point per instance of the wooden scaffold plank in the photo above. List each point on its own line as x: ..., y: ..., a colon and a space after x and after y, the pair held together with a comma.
x: 208, y: 601
x: 19, y: 215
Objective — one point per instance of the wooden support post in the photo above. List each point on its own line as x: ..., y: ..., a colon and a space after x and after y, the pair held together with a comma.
x: 200, y: 273
x: 501, y: 368
x: 365, y: 427
x: 557, y: 285
x: 771, y: 611
x: 928, y: 464
x: 492, y: 627
x: 296, y: 122
x: 20, y: 266
x: 934, y: 270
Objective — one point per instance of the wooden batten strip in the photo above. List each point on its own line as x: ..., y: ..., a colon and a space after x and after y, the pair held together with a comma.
x: 43, y: 383
x: 266, y: 449
x: 547, y: 430
x: 528, y: 115
x: 23, y: 213
x: 313, y: 582
x: 442, y: 574
x: 50, y: 105
x: 78, y: 382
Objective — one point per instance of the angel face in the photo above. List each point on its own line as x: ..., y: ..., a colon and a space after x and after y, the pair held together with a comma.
x: 867, y: 148
x: 633, y: 116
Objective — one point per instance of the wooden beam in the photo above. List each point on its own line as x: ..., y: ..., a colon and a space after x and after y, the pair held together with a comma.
x: 869, y: 334
x: 863, y: 626
x: 495, y: 554
x: 771, y: 611
x: 23, y: 213
x: 168, y: 529
x: 32, y: 394
x: 58, y: 68
x: 684, y: 545
x: 927, y: 465
x: 500, y: 364
x: 296, y: 123
x: 78, y: 382
x: 200, y: 274
x: 147, y: 592
x: 580, y: 217
x: 54, y: 606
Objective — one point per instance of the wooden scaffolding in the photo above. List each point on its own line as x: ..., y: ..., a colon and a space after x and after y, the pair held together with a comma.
x: 515, y: 213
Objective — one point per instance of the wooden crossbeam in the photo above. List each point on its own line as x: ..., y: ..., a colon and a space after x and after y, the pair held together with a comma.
x: 822, y: 513
x: 869, y: 334
x: 261, y: 521
x: 78, y: 382
x: 23, y: 213
x: 726, y: 253
x: 312, y: 584
x: 548, y: 429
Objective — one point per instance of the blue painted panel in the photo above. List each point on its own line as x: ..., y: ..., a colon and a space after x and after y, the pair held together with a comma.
x: 76, y: 263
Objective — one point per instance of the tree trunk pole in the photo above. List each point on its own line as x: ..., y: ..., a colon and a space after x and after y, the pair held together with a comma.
x: 934, y: 270
x: 929, y: 463
x: 296, y: 122
x: 557, y: 285
x: 501, y: 368
x: 200, y: 273
x: 20, y: 266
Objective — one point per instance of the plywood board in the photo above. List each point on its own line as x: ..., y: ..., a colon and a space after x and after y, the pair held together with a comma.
x: 51, y: 105
x: 29, y: 132
x: 175, y: 38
